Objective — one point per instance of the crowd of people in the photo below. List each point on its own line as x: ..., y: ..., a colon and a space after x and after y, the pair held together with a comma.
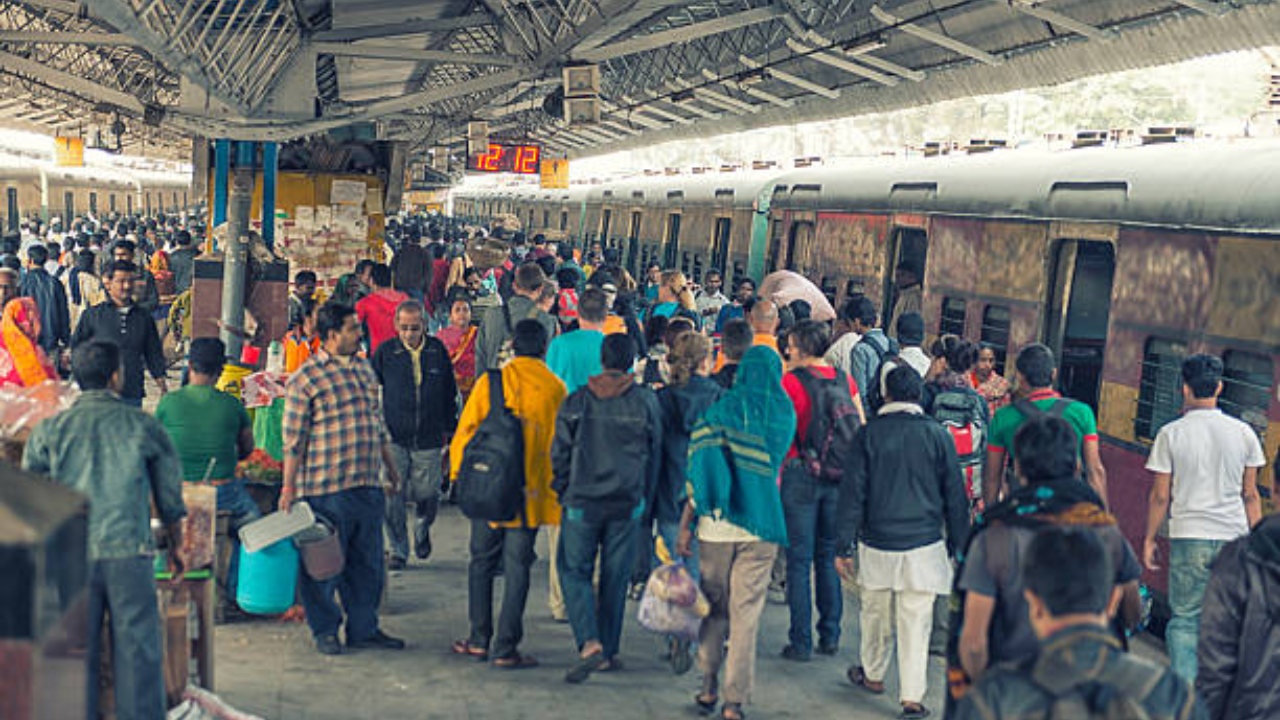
x: 777, y: 455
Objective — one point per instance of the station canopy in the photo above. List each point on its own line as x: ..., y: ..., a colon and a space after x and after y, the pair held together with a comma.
x: 159, y: 71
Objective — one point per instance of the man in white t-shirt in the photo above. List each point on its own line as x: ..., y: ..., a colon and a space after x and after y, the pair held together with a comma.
x: 845, y: 337
x: 1211, y: 460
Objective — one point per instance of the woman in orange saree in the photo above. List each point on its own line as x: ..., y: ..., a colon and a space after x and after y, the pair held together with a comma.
x: 22, y: 361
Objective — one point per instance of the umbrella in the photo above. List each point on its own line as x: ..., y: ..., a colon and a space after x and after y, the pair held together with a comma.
x: 784, y: 287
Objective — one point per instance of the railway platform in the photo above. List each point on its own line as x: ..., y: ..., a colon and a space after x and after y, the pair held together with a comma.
x: 271, y: 669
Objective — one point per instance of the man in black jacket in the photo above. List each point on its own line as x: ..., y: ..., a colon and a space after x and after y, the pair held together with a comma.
x: 901, y: 487
x: 1239, y: 650
x: 604, y: 459
x: 50, y: 298
x: 419, y: 400
x: 121, y: 321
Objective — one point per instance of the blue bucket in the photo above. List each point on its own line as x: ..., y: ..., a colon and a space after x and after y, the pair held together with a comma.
x: 268, y: 578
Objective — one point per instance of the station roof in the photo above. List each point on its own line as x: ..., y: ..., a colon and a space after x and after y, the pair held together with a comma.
x: 419, y: 70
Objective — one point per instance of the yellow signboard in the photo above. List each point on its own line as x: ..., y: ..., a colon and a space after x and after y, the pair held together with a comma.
x: 554, y: 174
x: 69, y: 151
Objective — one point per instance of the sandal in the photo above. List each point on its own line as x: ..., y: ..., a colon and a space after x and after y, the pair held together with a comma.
x: 915, y: 711
x: 732, y: 711
x: 706, y: 706
x: 584, y: 667
x: 515, y: 661
x: 858, y: 677
x: 464, y: 647
x: 613, y: 664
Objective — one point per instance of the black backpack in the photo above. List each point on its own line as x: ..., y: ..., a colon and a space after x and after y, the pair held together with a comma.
x: 960, y: 414
x: 871, y: 396
x: 490, y: 483
x: 1030, y: 411
x: 833, y: 423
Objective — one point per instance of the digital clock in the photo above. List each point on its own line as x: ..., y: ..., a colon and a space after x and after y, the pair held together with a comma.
x: 523, y: 159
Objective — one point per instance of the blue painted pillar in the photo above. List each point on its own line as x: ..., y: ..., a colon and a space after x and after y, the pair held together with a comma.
x: 221, y: 181
x: 270, y: 154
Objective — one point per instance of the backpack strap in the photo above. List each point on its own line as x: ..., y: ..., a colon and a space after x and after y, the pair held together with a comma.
x: 506, y: 317
x: 1030, y: 411
x: 496, y: 399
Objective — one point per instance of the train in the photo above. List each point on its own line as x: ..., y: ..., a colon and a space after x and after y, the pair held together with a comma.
x: 1122, y: 260
x: 39, y: 189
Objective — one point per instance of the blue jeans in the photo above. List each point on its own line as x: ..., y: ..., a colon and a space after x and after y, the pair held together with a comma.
x: 810, y: 510
x: 357, y: 516
x: 126, y: 588
x: 234, y: 498
x: 581, y: 540
x: 1189, y: 561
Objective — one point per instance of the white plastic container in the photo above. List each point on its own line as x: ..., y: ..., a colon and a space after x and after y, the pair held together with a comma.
x: 276, y: 527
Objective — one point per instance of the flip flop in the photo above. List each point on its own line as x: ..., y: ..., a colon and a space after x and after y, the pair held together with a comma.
x: 515, y: 661
x: 858, y: 677
x: 584, y: 667
x: 915, y: 712
x: 464, y: 647
x: 732, y: 711
x: 706, y: 707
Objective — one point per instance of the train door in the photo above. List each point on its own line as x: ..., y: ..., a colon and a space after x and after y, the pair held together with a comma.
x: 908, y: 253
x: 606, y: 217
x: 633, y: 243
x: 720, y: 244
x: 775, y: 245
x: 671, y: 248
x: 1079, y: 309
x: 799, y: 239
x: 11, y: 209
x: 69, y: 200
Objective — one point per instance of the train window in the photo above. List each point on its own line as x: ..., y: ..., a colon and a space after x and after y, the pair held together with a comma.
x: 146, y: 200
x: 1160, y: 389
x: 828, y: 287
x: 546, y: 219
x: 852, y: 288
x: 953, y: 317
x: 605, y: 219
x: 564, y: 220
x: 995, y: 332
x: 69, y: 199
x: 111, y: 202
x: 697, y: 267
x: 184, y: 199
x: 798, y: 241
x: 720, y: 243
x: 1246, y: 388
x: 93, y: 202
x: 775, y: 245
x: 128, y: 203
x: 11, y: 201
x: 684, y: 264
x: 671, y: 253
x: 175, y: 201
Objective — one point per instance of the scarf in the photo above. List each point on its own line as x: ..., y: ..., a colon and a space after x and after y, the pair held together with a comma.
x: 737, y: 448
x: 19, y: 328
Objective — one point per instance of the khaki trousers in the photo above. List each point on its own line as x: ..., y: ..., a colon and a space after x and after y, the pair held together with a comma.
x: 914, y: 620
x: 735, y: 578
x: 555, y: 597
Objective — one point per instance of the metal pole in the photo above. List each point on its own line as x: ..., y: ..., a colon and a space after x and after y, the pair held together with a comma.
x: 221, y: 166
x: 270, y: 154
x: 235, y: 254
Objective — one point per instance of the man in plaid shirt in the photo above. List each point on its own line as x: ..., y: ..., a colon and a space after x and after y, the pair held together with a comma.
x: 335, y: 445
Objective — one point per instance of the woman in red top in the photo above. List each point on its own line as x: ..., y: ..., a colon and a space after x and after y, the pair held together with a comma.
x: 809, y: 504
x: 459, y: 338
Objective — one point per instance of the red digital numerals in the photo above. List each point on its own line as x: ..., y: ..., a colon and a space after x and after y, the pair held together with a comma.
x: 523, y: 159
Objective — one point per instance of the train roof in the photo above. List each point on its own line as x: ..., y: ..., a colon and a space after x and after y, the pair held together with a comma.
x: 15, y: 167
x: 741, y: 189
x: 1205, y: 184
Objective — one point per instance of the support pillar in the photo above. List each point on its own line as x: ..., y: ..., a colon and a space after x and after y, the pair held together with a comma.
x: 221, y: 167
x: 270, y: 156
x: 235, y: 253
x: 199, y: 172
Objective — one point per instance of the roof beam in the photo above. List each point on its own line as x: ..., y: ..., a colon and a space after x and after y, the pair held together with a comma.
x: 620, y: 126
x: 70, y: 82
x: 397, y: 52
x: 893, y: 67
x: 412, y: 27
x: 645, y: 106
x: 936, y: 38
x: 69, y: 7
x: 1056, y: 18
x: 840, y: 63
x: 744, y: 88
x: 66, y: 38
x: 826, y: 92
x: 719, y: 99
x: 653, y: 41
x: 1208, y: 8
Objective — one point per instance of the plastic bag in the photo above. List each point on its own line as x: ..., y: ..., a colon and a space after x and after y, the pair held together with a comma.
x: 672, y: 604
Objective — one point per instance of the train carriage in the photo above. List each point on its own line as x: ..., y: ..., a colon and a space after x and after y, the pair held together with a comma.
x: 1122, y: 261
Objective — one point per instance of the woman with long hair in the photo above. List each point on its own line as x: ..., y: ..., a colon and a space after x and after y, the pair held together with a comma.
x: 735, y: 457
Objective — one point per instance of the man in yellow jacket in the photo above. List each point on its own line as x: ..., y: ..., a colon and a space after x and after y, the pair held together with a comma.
x: 534, y: 394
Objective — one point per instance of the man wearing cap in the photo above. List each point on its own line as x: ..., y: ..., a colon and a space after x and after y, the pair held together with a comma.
x: 211, y: 432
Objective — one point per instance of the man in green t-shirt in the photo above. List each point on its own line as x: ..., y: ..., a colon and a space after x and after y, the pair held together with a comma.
x: 1036, y: 374
x: 208, y: 425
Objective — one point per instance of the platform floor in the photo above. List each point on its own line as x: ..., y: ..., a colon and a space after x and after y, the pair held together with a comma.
x: 271, y: 669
